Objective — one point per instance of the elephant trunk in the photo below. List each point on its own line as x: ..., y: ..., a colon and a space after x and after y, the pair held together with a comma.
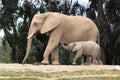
x: 29, y: 42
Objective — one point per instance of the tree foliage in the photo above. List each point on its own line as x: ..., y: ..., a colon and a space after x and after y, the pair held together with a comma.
x: 16, y: 15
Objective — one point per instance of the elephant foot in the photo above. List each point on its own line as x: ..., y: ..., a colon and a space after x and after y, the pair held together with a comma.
x: 82, y: 64
x: 92, y: 64
x: 74, y: 63
x: 87, y: 63
x: 44, y: 62
x: 36, y: 63
x: 55, y: 63
x: 100, y: 63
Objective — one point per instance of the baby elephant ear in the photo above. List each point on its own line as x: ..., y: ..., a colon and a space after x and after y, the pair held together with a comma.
x: 77, y: 47
x: 52, y: 21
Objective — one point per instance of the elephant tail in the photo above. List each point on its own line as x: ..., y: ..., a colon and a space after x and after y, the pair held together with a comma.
x: 99, y: 57
x: 99, y: 54
x: 98, y: 39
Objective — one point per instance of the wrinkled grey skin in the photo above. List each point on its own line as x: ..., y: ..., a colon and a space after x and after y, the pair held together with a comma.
x: 88, y: 48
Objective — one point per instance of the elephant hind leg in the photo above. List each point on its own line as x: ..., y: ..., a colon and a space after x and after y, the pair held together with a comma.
x: 88, y: 60
x: 99, y: 62
x: 94, y: 61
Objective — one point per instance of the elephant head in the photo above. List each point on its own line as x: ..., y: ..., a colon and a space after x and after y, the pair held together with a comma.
x: 73, y: 46
x: 76, y: 47
x: 69, y: 46
x: 41, y: 23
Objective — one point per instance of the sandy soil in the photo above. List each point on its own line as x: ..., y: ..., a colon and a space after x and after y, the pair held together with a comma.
x: 54, y: 68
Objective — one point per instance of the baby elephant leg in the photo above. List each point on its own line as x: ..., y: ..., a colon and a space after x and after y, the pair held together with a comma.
x: 99, y: 62
x: 78, y: 55
x: 88, y: 60
x: 82, y: 60
x: 94, y: 61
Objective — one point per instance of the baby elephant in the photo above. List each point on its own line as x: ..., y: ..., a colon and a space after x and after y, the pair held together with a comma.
x: 88, y: 48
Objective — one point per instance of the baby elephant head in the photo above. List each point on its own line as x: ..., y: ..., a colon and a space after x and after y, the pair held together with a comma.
x: 76, y: 47
x: 70, y: 46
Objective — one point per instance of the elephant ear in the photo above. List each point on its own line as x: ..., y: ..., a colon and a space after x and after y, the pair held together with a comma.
x: 77, y: 47
x: 52, y: 21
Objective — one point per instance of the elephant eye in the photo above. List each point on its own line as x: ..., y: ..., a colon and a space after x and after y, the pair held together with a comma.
x: 35, y: 23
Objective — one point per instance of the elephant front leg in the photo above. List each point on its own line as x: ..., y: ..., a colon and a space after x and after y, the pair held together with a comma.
x: 52, y: 46
x: 55, y: 56
x: 78, y: 55
x: 82, y: 60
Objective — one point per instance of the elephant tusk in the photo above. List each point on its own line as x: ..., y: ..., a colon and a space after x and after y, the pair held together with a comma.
x: 30, y: 36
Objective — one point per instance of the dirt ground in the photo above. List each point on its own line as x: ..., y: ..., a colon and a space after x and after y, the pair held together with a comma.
x: 53, y: 72
x: 54, y: 68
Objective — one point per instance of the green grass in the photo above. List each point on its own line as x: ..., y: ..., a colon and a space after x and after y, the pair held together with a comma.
x: 93, y: 78
x: 5, y: 51
x: 20, y: 79
x: 64, y: 75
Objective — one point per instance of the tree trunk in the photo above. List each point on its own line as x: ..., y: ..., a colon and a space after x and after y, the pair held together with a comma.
x: 13, y: 56
x: 101, y: 21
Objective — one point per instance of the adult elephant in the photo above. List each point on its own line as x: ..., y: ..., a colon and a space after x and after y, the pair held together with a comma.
x: 61, y: 28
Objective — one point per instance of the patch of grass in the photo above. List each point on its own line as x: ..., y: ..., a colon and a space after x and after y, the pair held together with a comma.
x: 88, y: 72
x: 64, y: 75
x: 93, y: 78
x: 18, y: 73
x: 19, y: 79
